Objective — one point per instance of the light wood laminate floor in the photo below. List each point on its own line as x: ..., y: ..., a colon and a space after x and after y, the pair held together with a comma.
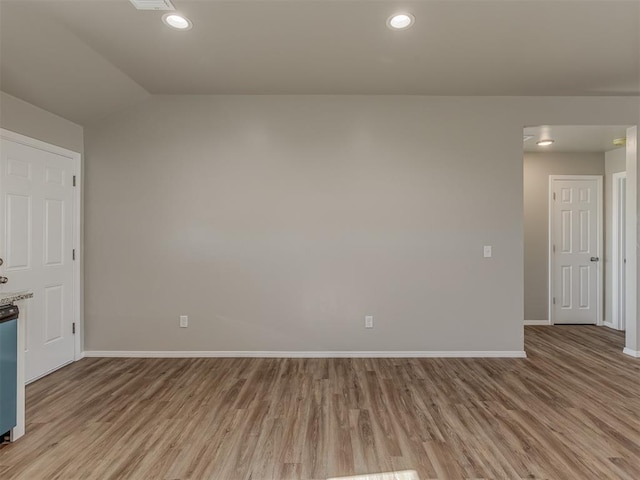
x: 569, y: 411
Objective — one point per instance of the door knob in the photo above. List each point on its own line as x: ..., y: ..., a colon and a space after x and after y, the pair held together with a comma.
x: 4, y: 279
x: 595, y: 259
x: 1, y: 261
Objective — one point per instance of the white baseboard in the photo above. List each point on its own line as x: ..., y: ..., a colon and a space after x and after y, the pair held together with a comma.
x: 537, y: 322
x: 631, y: 353
x: 610, y: 325
x: 297, y: 354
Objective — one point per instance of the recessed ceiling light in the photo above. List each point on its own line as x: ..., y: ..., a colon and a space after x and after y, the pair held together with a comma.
x: 544, y: 143
x: 177, y: 21
x: 400, y: 21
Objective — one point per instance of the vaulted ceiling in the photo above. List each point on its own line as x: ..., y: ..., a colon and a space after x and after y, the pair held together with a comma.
x: 86, y: 59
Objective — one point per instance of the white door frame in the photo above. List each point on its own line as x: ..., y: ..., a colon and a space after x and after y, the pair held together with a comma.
x: 617, y: 254
x: 77, y: 226
x: 599, y: 268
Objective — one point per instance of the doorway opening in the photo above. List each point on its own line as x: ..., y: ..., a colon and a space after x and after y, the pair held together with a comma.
x: 569, y: 253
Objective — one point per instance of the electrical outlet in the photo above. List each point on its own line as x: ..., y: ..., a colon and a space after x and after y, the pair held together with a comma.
x: 368, y: 321
x: 184, y: 321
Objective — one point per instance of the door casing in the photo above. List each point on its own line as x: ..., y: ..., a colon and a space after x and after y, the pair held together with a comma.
x: 618, y: 253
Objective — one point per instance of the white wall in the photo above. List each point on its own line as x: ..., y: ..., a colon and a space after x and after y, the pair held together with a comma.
x: 22, y: 117
x: 632, y: 334
x: 537, y: 168
x: 614, y: 162
x: 278, y: 222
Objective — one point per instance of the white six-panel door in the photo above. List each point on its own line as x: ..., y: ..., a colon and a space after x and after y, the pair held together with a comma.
x: 576, y: 244
x: 36, y: 244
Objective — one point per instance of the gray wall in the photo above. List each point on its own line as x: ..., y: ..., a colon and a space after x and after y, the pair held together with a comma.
x: 22, y: 117
x: 537, y: 168
x: 278, y: 222
x: 614, y: 161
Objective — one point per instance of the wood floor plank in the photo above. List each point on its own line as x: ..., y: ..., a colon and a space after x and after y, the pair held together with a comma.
x: 569, y: 410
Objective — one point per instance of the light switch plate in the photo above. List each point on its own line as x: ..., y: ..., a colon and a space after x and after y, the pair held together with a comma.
x: 487, y: 251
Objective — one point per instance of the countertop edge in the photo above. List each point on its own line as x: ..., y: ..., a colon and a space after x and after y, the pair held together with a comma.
x: 8, y: 298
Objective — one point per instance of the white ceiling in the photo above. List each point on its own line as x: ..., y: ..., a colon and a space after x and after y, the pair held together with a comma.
x: 84, y: 59
x: 574, y: 138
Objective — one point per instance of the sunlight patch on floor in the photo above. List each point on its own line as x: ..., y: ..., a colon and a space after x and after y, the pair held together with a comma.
x: 403, y: 475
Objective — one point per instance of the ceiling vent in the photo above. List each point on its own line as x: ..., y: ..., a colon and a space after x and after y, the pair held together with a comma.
x: 153, y: 4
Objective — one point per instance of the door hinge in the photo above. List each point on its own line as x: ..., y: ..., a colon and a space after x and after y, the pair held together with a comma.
x: 554, y: 248
x: 74, y: 181
x: 73, y: 254
x: 73, y: 328
x: 554, y: 193
x: 554, y: 300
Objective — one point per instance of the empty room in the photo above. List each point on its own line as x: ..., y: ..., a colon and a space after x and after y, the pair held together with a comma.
x: 319, y: 240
